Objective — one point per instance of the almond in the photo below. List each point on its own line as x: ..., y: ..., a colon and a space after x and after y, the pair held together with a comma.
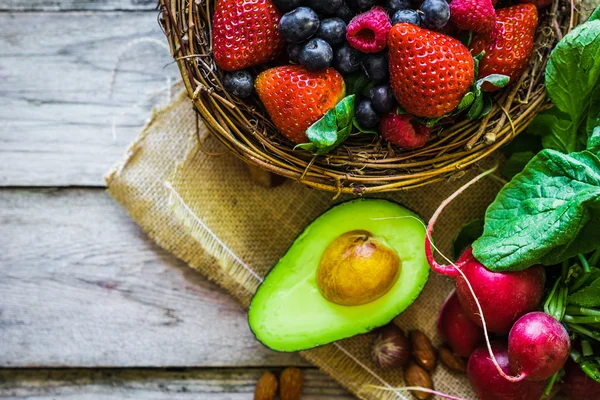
x: 414, y: 375
x: 423, y: 350
x: 452, y: 360
x: 290, y: 384
x: 266, y: 387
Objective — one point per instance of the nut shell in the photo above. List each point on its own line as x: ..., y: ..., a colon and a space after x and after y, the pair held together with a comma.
x: 291, y: 381
x: 391, y: 347
x: 452, y: 360
x: 414, y: 375
x: 266, y: 387
x: 423, y: 350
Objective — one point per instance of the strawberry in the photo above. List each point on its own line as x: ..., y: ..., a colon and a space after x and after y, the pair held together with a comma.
x: 295, y: 97
x: 538, y: 3
x: 473, y: 15
x: 245, y: 33
x: 430, y: 72
x: 508, y: 48
x: 403, y: 132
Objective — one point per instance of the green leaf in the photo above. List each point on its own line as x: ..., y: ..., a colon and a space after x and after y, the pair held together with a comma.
x: 482, y: 103
x: 545, y: 214
x: 589, y: 296
x: 332, y: 129
x: 467, y: 235
x: 555, y: 129
x: 572, y: 75
x: 466, y: 101
x: 595, y: 15
x: 363, y: 130
x: 516, y: 163
x: 523, y: 143
x: 593, y: 143
x: 497, y: 80
x: 355, y: 83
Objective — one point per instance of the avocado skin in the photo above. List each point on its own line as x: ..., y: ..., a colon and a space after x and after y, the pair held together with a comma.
x: 315, y: 338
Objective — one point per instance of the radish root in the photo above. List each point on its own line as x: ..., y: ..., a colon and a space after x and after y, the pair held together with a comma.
x: 421, y: 389
x: 457, y: 270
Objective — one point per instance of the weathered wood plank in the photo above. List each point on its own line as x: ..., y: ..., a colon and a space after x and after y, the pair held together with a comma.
x: 82, y: 286
x: 59, y: 123
x: 209, y: 384
x: 77, y: 5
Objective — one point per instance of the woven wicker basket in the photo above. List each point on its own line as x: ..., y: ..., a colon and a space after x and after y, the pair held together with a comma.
x: 363, y: 164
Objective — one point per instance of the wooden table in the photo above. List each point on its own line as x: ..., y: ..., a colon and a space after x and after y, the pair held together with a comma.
x: 90, y: 308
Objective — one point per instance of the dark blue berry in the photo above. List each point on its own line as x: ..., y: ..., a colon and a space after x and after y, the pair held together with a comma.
x: 293, y: 51
x: 299, y: 24
x: 239, y: 83
x: 436, y: 14
x: 347, y: 59
x: 376, y: 67
x: 332, y: 30
x: 382, y: 98
x: 365, y: 115
x: 408, y: 16
x: 362, y: 5
x: 344, y: 12
x: 316, y: 54
x: 395, y: 5
x: 326, y: 7
x: 287, y: 5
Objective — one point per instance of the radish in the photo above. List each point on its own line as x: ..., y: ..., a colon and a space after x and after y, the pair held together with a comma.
x: 538, y: 346
x: 490, y: 385
x: 502, y: 296
x: 462, y: 334
x: 577, y: 385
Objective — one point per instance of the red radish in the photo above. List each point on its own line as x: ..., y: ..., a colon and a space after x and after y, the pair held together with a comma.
x: 538, y: 346
x: 577, y: 385
x: 462, y: 334
x: 490, y: 385
x: 502, y: 296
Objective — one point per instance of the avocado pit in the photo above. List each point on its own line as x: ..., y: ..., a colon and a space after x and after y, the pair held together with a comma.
x: 357, y: 268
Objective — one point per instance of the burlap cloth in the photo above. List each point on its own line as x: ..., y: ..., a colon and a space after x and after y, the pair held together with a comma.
x: 197, y: 201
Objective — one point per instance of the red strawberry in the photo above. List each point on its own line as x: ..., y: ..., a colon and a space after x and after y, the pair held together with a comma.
x: 508, y: 48
x: 295, y: 97
x: 401, y: 131
x: 473, y: 15
x: 368, y: 32
x: 429, y: 72
x: 245, y: 33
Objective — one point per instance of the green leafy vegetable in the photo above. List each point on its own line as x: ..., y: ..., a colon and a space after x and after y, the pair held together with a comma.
x: 589, y: 296
x: 572, y: 81
x: 332, y: 129
x: 516, y: 163
x: 544, y: 215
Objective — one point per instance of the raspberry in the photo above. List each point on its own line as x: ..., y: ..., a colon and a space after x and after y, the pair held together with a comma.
x: 473, y: 15
x: 368, y: 32
x: 401, y: 131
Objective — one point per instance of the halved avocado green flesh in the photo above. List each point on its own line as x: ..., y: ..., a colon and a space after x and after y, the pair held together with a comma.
x: 289, y: 313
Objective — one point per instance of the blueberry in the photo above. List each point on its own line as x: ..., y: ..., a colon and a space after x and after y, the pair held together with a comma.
x: 332, y: 30
x: 408, y: 16
x: 326, y: 7
x: 347, y: 59
x: 299, y: 24
x: 365, y: 115
x: 362, y: 5
x: 344, y: 12
x: 293, y: 51
x: 287, y: 5
x: 316, y: 54
x: 436, y: 13
x: 382, y: 98
x: 376, y: 67
x: 239, y: 83
x: 395, y: 5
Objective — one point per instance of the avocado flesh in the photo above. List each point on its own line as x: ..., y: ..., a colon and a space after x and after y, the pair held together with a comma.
x: 289, y: 313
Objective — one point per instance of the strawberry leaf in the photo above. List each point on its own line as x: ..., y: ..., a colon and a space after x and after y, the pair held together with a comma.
x: 466, y: 101
x: 497, y: 80
x: 482, y: 103
x: 331, y: 129
x: 363, y: 130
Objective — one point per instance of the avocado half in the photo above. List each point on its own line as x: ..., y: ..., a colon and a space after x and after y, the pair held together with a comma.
x: 289, y: 313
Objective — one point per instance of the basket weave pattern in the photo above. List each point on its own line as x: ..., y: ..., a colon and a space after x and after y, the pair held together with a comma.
x: 364, y: 163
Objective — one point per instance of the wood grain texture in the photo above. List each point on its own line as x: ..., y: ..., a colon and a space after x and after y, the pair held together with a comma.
x: 77, y: 5
x: 204, y: 384
x: 60, y: 125
x: 82, y: 286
